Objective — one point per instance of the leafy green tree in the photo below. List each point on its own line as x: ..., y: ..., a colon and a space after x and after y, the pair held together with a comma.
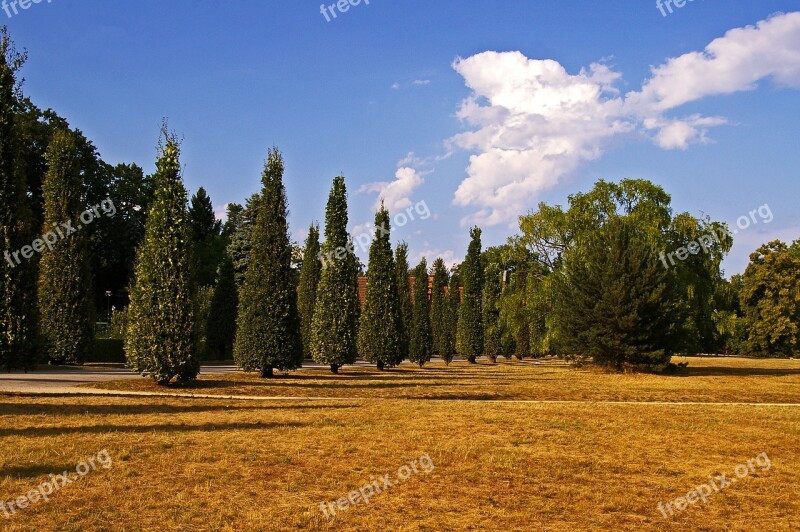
x: 613, y: 299
x: 310, y: 273
x: 771, y: 300
x: 405, y: 306
x: 470, y: 315
x: 221, y: 325
x: 439, y: 310
x: 268, y: 325
x: 160, y: 341
x: 420, y: 348
x: 378, y: 329
x: 65, y: 279
x: 492, y: 326
x: 334, y: 330
x: 449, y: 350
x: 206, y: 230
x: 18, y: 302
x: 240, y: 227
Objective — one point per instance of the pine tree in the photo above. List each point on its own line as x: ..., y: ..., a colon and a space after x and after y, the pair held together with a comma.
x: 439, y: 311
x: 470, y: 315
x: 493, y: 346
x: 268, y: 325
x: 378, y: 329
x: 334, y: 330
x: 405, y: 308
x: 221, y: 326
x: 613, y: 302
x: 453, y: 306
x: 65, y: 284
x: 420, y: 350
x: 160, y: 341
x: 207, y: 245
x: 309, y: 281
x: 18, y: 301
x: 240, y: 228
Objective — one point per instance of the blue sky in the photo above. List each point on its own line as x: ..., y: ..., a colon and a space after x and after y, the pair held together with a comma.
x: 442, y: 81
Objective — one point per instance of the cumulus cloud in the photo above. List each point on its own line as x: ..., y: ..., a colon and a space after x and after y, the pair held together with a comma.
x: 530, y: 122
x: 396, y: 194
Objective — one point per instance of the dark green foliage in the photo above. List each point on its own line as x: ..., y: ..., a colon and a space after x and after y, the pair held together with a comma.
x: 613, y: 300
x: 470, y: 315
x: 492, y: 341
x: 310, y: 273
x: 378, y: 328
x: 334, y: 330
x: 239, y: 227
x: 420, y: 348
x: 770, y: 298
x: 18, y: 226
x: 207, y: 244
x: 405, y: 307
x: 221, y: 325
x: 65, y: 283
x: 449, y: 350
x: 203, y: 297
x: 161, y: 328
x: 268, y: 325
x: 439, y: 309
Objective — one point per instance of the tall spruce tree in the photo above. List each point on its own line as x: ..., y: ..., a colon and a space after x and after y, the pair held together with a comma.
x: 439, y: 311
x: 221, y: 326
x: 334, y: 331
x: 493, y: 346
x: 309, y: 281
x: 420, y: 349
x: 268, y: 326
x: 65, y: 283
x: 18, y: 301
x: 405, y: 308
x: 451, y: 326
x: 378, y: 328
x: 160, y: 341
x: 240, y: 228
x: 470, y: 314
x: 207, y: 244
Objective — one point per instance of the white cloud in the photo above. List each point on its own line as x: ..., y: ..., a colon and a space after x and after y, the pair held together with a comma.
x: 221, y: 212
x: 396, y: 194
x: 532, y: 123
x: 448, y: 256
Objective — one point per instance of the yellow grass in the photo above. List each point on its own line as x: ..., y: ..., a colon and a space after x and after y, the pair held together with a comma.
x: 216, y: 464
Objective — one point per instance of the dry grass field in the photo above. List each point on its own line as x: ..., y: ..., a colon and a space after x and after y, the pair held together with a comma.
x: 603, y: 460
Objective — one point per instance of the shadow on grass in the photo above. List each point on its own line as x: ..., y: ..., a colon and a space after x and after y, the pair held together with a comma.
x: 35, y: 471
x: 145, y: 429
x: 33, y: 409
x: 716, y: 371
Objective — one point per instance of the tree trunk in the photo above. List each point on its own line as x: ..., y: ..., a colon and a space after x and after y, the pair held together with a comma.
x: 381, y: 365
x: 267, y: 373
x: 473, y: 360
x: 335, y: 369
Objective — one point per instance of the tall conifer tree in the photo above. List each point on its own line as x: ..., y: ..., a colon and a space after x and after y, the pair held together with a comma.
x: 470, y: 315
x: 268, y: 326
x: 405, y: 309
x: 493, y: 333
x: 420, y: 350
x: 453, y: 305
x: 161, y: 337
x: 378, y: 329
x: 65, y: 283
x: 439, y: 308
x: 307, y: 291
x: 221, y: 325
x: 334, y: 330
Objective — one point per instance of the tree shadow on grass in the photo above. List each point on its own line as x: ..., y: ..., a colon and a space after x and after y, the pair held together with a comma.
x: 145, y: 429
x: 721, y: 371
x: 33, y: 409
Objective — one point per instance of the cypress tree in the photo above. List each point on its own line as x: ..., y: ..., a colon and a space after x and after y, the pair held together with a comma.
x: 420, y: 350
x: 18, y: 301
x: 493, y: 346
x: 65, y: 284
x: 439, y: 311
x: 470, y: 315
x: 160, y: 341
x: 221, y: 326
x: 268, y: 325
x: 334, y: 330
x: 378, y: 329
x: 405, y: 308
x: 307, y: 292
x: 451, y: 328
